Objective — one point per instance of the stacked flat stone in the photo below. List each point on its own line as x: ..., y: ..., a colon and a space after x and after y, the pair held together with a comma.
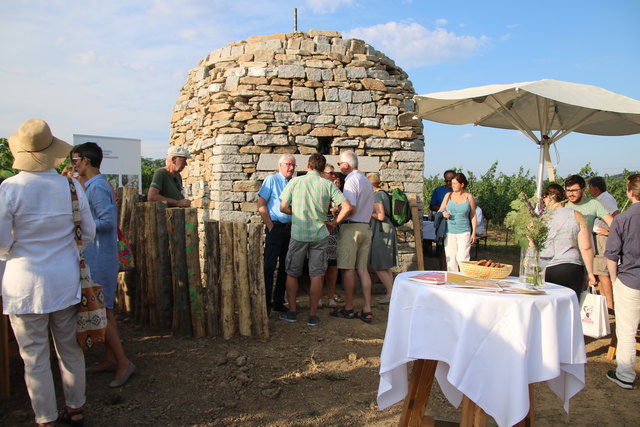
x: 279, y: 94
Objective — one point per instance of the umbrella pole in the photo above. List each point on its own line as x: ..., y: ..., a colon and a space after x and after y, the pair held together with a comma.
x: 543, y: 143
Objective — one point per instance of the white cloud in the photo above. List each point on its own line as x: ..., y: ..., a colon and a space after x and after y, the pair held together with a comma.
x: 468, y: 136
x: 327, y: 6
x: 412, y: 45
x: 441, y: 22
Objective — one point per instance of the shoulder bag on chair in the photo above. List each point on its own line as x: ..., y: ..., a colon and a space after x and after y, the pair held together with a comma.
x: 593, y: 314
x: 92, y: 316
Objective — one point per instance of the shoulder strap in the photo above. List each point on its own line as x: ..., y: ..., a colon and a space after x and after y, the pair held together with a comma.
x: 447, y: 196
x: 77, y: 221
x: 390, y: 200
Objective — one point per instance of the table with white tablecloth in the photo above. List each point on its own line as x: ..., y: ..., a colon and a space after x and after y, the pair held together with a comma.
x: 488, y: 346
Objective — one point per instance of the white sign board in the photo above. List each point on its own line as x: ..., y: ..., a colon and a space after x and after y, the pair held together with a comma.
x: 120, y: 159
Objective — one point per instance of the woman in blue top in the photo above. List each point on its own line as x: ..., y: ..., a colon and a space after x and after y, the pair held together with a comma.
x: 102, y: 255
x: 459, y: 208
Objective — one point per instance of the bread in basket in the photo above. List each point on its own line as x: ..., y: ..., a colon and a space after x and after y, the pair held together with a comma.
x: 474, y: 269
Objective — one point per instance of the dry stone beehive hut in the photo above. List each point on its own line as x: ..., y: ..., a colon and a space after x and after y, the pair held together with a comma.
x: 248, y: 103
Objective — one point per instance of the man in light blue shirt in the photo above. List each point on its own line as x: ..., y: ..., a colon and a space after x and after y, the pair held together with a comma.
x: 277, y: 230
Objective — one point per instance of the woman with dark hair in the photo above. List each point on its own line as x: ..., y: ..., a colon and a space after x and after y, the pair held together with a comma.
x: 569, y: 238
x: 102, y: 255
x: 459, y: 208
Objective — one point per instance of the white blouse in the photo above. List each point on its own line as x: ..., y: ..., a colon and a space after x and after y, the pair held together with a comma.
x: 42, y: 272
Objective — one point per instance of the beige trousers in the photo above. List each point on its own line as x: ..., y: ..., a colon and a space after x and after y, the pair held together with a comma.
x: 32, y: 334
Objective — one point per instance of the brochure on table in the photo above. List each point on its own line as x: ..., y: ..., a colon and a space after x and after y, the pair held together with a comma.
x: 462, y: 282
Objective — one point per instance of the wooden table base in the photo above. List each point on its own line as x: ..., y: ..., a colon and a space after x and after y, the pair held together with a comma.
x: 415, y: 404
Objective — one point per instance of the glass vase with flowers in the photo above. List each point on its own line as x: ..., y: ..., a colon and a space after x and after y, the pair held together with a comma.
x: 529, y: 224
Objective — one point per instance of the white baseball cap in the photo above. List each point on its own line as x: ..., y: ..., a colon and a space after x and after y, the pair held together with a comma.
x: 178, y: 152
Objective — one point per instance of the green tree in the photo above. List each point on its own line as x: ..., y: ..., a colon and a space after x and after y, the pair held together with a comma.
x: 617, y: 186
x: 148, y: 167
x: 6, y: 160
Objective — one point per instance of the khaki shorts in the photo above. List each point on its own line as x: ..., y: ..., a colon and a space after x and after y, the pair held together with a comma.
x: 354, y: 244
x: 599, y: 261
x: 315, y: 251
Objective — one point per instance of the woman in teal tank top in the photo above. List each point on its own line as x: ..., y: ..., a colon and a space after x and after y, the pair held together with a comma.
x: 459, y: 208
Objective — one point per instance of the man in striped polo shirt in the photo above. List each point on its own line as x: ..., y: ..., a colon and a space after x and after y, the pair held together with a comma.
x: 307, y: 199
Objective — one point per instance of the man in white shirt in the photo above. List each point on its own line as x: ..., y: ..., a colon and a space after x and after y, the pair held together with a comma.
x: 598, y: 191
x: 355, y: 238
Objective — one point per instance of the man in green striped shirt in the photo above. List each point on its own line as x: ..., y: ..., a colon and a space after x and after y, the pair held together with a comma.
x: 307, y: 199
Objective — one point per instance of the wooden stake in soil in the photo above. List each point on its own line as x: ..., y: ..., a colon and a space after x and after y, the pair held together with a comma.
x: 242, y: 278
x: 227, y: 315
x: 151, y: 297
x: 163, y: 266
x: 417, y: 230
x: 260, y: 320
x: 143, y: 261
x: 127, y: 220
x: 212, y: 287
x: 192, y: 246
x: 181, y: 310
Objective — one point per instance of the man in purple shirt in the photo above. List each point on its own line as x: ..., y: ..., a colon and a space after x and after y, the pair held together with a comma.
x: 623, y: 262
x: 355, y: 238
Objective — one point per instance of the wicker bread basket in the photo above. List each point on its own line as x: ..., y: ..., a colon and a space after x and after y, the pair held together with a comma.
x: 474, y: 270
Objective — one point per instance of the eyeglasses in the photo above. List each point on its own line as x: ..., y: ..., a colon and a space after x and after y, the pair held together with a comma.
x: 289, y: 164
x: 74, y: 160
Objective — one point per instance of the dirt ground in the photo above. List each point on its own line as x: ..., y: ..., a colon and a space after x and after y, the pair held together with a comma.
x: 302, y: 376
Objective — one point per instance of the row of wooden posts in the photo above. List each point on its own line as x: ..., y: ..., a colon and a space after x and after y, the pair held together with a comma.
x: 169, y: 288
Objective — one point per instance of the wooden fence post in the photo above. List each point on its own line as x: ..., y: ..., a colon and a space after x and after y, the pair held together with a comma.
x: 181, y: 311
x: 164, y: 283
x: 150, y: 313
x: 260, y: 320
x: 417, y: 230
x: 212, y: 288
x: 192, y: 252
x: 143, y: 261
x: 227, y: 318
x: 241, y: 274
x: 127, y: 221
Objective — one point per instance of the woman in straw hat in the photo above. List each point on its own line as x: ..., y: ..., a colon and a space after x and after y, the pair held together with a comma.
x: 41, y: 283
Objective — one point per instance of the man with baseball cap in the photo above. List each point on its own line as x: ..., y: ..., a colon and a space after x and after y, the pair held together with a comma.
x: 166, y: 185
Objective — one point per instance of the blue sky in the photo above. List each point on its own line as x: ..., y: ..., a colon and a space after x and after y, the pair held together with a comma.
x: 115, y: 68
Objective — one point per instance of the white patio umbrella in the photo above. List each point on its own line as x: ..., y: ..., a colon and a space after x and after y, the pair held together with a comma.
x: 551, y: 107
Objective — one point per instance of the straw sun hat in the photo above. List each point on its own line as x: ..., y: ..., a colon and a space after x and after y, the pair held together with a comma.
x: 34, y: 147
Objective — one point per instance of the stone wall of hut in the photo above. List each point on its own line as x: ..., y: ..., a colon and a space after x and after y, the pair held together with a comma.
x: 248, y: 103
